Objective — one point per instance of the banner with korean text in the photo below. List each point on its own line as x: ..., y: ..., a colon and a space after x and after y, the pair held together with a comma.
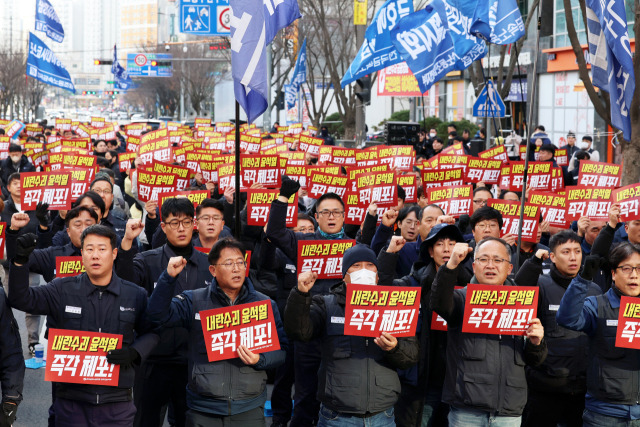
x: 79, y: 357
x: 251, y: 325
x: 53, y: 188
x: 69, y: 266
x: 628, y: 331
x: 323, y: 257
x: 259, y: 206
x: 499, y: 310
x: 371, y: 310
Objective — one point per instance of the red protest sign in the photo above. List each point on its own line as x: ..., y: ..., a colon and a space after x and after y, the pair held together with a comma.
x: 437, y: 322
x: 398, y: 157
x: 341, y: 156
x: 323, y: 257
x: 79, y: 357
x: 629, y: 199
x: 410, y: 187
x: 378, y: 187
x: 259, y: 206
x: 165, y: 168
x: 260, y: 169
x: 124, y: 161
x: 499, y: 310
x: 538, y: 176
x: 323, y: 183
x: 598, y: 174
x: 497, y: 153
x: 435, y: 178
x: 195, y: 197
x: 152, y: 184
x: 454, y: 201
x: 590, y: 202
x: 310, y: 144
x: 69, y: 266
x: 628, y: 331
x: 553, y: 207
x: 251, y: 325
x: 250, y: 143
x: 297, y: 173
x: 53, y: 188
x: 371, y: 310
x: 562, y: 157
x: 511, y: 218
x: 483, y: 170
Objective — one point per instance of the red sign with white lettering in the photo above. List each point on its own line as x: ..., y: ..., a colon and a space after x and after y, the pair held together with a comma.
x: 323, y: 257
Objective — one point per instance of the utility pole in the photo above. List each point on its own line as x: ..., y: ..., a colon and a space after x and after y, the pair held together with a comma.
x: 360, y: 103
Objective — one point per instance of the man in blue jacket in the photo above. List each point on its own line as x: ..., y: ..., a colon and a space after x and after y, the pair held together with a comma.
x: 211, y: 399
x: 613, y: 373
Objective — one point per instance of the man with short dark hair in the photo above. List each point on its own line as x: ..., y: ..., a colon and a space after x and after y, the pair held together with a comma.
x: 95, y: 301
x: 116, y: 220
x: 494, y: 389
x: 15, y: 163
x: 228, y: 392
x: 557, y: 387
x: 163, y: 378
x: 586, y: 146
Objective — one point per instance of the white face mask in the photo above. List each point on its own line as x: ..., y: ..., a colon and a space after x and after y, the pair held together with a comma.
x: 363, y: 277
x: 433, y: 135
x: 584, y: 145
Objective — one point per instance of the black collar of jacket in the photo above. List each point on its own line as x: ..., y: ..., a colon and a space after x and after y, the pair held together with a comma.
x: 508, y: 282
x: 247, y: 293
x: 113, y: 287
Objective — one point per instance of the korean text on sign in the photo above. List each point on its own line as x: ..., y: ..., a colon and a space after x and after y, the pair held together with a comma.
x: 69, y: 266
x: 371, y: 310
x: 79, y: 357
x: 499, y: 310
x: 323, y: 257
x: 628, y: 332
x: 53, y: 188
x: 251, y: 325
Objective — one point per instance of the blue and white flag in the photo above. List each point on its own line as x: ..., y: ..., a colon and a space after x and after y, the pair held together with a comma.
x: 610, y: 23
x: 43, y: 65
x: 468, y: 47
x: 498, y: 21
x: 377, y: 51
x: 253, y: 25
x: 120, y: 75
x: 299, y: 76
x: 424, y: 41
x: 48, y: 22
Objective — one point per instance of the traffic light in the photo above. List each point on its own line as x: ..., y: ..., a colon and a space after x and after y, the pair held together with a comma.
x: 364, y: 89
x: 102, y: 62
x: 280, y: 100
x: 161, y: 63
x: 222, y: 45
x: 84, y: 92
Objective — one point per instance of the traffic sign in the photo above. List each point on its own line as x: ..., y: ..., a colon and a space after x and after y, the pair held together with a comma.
x: 205, y: 17
x: 489, y: 103
x: 149, y: 65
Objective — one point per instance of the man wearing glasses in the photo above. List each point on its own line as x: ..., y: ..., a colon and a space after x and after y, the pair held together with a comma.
x: 485, y: 381
x: 163, y: 378
x: 228, y: 392
x: 613, y: 372
x: 116, y: 220
x: 307, y: 356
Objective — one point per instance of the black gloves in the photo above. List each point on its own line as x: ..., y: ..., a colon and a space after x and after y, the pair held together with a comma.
x: 8, y: 415
x: 289, y: 187
x: 124, y: 357
x: 42, y: 213
x: 591, y: 266
x: 463, y: 223
x: 25, y: 244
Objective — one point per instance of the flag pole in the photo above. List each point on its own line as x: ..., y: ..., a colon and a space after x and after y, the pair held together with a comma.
x: 526, y: 134
x: 237, y: 158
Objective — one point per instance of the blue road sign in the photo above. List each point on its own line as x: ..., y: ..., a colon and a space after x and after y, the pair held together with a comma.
x: 489, y: 103
x: 205, y: 17
x: 141, y: 65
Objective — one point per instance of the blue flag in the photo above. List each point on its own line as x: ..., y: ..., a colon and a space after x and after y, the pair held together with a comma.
x: 424, y: 41
x: 43, y: 65
x: 498, y: 21
x: 253, y: 25
x: 48, y: 22
x: 618, y: 79
x: 120, y: 75
x: 377, y: 51
x: 299, y: 76
x: 468, y: 47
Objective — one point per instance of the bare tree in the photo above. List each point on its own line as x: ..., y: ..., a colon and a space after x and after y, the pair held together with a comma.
x: 600, y: 99
x: 12, y: 71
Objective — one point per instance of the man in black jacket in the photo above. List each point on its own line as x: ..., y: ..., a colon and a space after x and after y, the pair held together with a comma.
x: 330, y: 218
x: 15, y: 163
x: 11, y: 363
x: 351, y: 390
x: 95, y: 301
x: 485, y: 381
x: 163, y: 378
x: 557, y: 387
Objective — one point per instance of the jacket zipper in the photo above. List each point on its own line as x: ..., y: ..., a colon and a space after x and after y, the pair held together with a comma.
x: 99, y: 307
x: 366, y: 345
